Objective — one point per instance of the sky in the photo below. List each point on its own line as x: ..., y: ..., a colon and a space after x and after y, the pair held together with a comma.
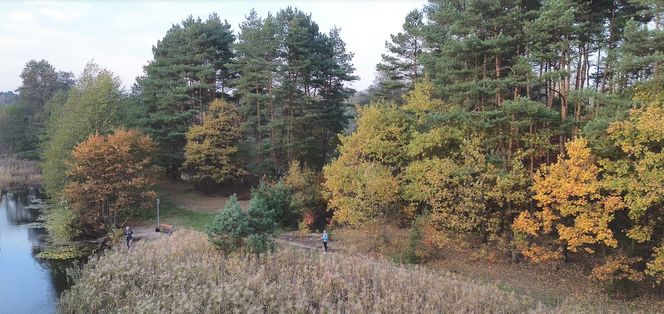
x: 119, y: 35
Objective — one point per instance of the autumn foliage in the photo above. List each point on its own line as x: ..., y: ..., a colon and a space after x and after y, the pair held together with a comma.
x: 418, y: 163
x: 574, y: 208
x: 211, y: 151
x: 110, y: 178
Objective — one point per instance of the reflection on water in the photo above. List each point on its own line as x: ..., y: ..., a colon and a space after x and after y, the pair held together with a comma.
x: 27, y: 284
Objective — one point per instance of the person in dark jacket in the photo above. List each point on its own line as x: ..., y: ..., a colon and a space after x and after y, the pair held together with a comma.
x: 128, y: 234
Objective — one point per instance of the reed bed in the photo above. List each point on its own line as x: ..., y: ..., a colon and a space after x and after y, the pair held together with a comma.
x: 16, y: 172
x: 185, y: 274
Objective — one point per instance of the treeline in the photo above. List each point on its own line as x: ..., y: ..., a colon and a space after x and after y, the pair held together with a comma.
x: 529, y: 126
x: 221, y: 107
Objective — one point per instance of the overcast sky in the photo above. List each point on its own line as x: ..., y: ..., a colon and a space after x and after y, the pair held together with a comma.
x: 119, y: 35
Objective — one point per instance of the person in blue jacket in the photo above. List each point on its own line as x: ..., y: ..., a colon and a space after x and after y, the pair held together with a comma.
x: 325, y: 238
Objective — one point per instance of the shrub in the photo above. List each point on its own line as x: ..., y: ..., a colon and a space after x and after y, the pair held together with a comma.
x: 252, y: 231
x: 308, y: 200
x: 110, y: 178
x: 413, y: 252
x: 60, y: 220
x: 278, y: 197
x: 230, y: 226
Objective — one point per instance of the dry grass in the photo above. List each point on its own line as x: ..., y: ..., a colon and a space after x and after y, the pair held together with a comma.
x: 183, y: 196
x: 185, y: 274
x: 15, y: 172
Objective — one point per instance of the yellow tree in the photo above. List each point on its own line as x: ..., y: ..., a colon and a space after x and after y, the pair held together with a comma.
x: 110, y: 177
x: 362, y: 183
x: 211, y: 150
x: 639, y: 174
x: 453, y: 190
x: 575, y: 208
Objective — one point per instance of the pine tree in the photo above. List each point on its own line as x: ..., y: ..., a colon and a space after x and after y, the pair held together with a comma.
x: 401, y: 68
x: 189, y: 70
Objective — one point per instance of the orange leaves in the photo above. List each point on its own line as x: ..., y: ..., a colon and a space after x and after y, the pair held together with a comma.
x: 618, y: 268
x: 110, y: 176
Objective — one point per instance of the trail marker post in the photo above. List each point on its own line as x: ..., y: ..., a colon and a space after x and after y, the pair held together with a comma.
x: 157, y: 213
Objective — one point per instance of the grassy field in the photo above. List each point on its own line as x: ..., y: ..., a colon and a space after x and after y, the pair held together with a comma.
x: 184, y: 273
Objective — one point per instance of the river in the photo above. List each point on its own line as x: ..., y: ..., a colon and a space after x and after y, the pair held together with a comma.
x: 27, y: 284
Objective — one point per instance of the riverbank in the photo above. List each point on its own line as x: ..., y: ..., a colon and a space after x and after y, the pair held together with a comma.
x: 17, y: 173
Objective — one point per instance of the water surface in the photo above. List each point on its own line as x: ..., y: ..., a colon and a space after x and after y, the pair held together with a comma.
x: 27, y: 284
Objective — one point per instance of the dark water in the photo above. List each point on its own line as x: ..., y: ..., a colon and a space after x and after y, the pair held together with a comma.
x: 27, y: 284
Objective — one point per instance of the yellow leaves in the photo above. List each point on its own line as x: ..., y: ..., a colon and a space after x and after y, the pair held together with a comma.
x: 420, y: 98
x: 210, y: 153
x: 358, y: 191
x: 540, y: 254
x: 526, y: 224
x: 381, y: 135
x: 655, y: 267
x: 575, y: 206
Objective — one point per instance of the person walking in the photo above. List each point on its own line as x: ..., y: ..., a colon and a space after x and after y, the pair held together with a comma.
x: 325, y: 238
x: 128, y: 235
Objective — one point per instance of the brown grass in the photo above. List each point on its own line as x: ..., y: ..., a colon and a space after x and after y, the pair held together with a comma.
x: 185, y: 274
x: 184, y: 196
x: 15, y: 172
x: 485, y: 264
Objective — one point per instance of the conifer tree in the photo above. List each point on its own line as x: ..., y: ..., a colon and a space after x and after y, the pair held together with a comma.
x: 189, y: 70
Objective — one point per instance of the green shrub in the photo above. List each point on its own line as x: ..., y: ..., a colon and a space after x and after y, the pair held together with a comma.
x: 60, y: 221
x: 252, y: 231
x: 278, y: 198
x: 230, y: 226
x: 412, y: 252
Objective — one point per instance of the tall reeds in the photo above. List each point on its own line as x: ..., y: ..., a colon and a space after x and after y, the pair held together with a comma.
x: 185, y: 274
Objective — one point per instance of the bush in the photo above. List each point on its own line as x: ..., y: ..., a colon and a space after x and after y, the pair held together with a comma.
x: 307, y: 200
x: 230, y: 227
x: 252, y: 231
x: 412, y: 254
x: 278, y: 198
x: 60, y: 221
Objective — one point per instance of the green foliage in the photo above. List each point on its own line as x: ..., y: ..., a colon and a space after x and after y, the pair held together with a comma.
x: 292, y: 89
x: 40, y: 82
x: 400, y: 69
x: 233, y: 229
x: 93, y: 105
x: 189, y: 70
x: 230, y: 226
x: 61, y: 221
x: 412, y: 254
x: 277, y: 197
x: 65, y: 252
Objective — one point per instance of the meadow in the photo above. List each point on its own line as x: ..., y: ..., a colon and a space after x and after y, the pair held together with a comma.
x: 184, y: 273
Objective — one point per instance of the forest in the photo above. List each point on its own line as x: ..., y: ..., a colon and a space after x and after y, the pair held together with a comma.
x: 529, y: 128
